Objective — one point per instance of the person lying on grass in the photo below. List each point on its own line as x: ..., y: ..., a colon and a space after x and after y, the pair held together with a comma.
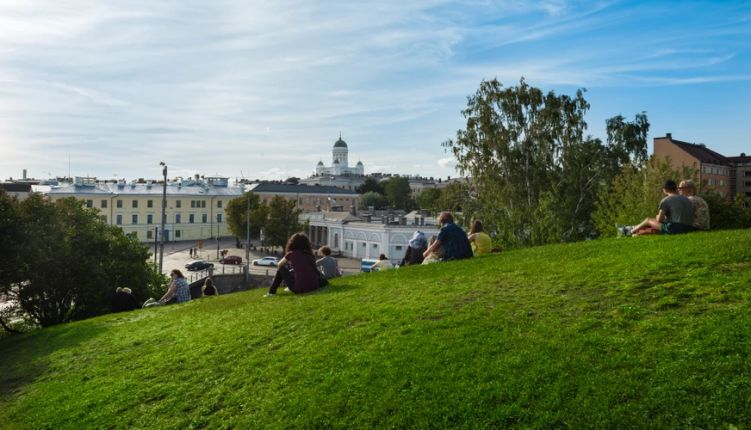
x: 298, y: 268
x: 675, y: 215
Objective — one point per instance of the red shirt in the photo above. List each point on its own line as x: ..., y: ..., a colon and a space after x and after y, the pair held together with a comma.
x: 304, y: 270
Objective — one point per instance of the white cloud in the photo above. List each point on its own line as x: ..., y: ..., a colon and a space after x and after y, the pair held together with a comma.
x: 448, y: 162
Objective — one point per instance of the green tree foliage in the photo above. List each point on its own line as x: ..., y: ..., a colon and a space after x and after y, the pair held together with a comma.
x: 635, y: 194
x: 399, y: 193
x: 430, y: 199
x: 371, y: 184
x: 627, y: 141
x: 728, y: 214
x: 282, y: 222
x: 237, y: 215
x: 372, y: 198
x: 534, y: 173
x: 72, y: 262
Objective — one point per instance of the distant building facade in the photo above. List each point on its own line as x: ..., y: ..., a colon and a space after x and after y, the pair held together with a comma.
x: 195, y: 207
x: 310, y: 198
x: 727, y: 176
x: 367, y: 236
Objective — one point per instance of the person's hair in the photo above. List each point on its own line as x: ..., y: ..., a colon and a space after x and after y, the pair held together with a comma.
x: 382, y: 257
x: 325, y: 250
x: 688, y: 184
x: 208, y: 283
x: 177, y: 272
x: 433, y: 238
x: 299, y: 242
x: 127, y: 290
x: 476, y: 227
x: 670, y: 185
x: 445, y: 217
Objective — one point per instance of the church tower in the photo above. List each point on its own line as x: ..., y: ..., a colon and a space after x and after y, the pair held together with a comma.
x: 339, y: 154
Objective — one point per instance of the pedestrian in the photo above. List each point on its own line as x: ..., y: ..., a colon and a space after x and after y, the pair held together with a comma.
x: 451, y: 239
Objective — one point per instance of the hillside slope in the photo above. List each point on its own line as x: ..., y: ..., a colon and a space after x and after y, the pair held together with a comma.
x: 638, y: 332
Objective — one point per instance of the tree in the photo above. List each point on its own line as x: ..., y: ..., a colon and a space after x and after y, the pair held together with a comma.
x: 237, y: 215
x: 370, y: 184
x: 536, y: 176
x: 628, y: 140
x: 374, y: 199
x: 10, y: 238
x: 72, y: 262
x: 282, y: 222
x: 399, y: 193
x: 429, y: 198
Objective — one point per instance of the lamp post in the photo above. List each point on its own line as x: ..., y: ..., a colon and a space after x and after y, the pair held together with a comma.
x: 247, y: 244
x: 164, y: 216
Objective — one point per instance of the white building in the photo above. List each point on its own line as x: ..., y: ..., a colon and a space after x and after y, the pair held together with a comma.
x: 366, y: 236
x: 339, y: 162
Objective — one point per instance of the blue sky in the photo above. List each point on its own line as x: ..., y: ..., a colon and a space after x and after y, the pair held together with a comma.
x: 264, y: 88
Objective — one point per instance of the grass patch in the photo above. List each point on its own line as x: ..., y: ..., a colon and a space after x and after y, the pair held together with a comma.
x: 648, y: 332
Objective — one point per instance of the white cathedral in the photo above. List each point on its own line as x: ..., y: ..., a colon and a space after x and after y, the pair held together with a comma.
x: 340, y: 165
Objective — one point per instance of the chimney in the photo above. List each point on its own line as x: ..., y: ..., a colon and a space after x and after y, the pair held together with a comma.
x: 669, y: 135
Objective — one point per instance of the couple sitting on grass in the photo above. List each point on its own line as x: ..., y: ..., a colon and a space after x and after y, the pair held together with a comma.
x: 299, y: 270
x: 681, y: 211
x: 450, y: 244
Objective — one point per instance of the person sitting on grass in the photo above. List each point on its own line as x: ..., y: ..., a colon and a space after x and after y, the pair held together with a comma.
x: 417, y: 245
x: 209, y: 289
x: 123, y: 300
x: 327, y: 264
x: 701, y: 208
x: 435, y: 255
x: 383, y: 263
x: 452, y: 240
x: 480, y: 241
x: 178, y: 289
x: 675, y: 215
x: 297, y: 269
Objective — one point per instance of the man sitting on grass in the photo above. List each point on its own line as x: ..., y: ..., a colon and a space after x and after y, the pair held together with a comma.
x: 675, y: 216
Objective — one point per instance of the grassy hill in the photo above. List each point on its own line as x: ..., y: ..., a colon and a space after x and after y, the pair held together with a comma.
x: 628, y: 333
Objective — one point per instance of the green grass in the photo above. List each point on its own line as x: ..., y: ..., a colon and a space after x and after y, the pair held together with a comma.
x: 650, y: 332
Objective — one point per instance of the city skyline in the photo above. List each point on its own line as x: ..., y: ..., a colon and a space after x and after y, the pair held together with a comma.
x: 262, y: 90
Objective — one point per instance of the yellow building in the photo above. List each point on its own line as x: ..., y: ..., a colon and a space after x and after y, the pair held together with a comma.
x: 195, y: 208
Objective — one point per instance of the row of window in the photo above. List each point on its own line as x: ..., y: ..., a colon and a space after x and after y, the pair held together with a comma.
x: 150, y: 219
x: 712, y: 181
x: 150, y: 204
x: 716, y: 170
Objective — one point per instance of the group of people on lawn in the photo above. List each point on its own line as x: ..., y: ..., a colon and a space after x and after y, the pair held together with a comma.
x: 301, y: 272
x: 680, y: 211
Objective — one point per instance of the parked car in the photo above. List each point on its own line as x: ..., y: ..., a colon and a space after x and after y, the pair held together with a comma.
x: 366, y: 264
x: 199, y: 265
x: 266, y: 261
x: 231, y: 259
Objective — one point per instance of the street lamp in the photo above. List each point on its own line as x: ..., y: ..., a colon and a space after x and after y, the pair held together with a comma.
x: 247, y: 244
x: 164, y: 216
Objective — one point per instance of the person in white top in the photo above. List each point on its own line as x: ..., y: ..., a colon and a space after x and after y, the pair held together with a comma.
x: 383, y: 263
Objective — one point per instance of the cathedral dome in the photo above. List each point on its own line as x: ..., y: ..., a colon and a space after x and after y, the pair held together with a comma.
x: 359, y: 163
x: 320, y: 163
x: 340, y: 143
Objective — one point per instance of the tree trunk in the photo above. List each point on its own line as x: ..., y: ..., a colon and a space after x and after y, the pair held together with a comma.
x: 5, y: 326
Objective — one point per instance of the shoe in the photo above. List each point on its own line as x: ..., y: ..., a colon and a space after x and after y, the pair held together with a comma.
x: 620, y: 229
x: 269, y: 295
x: 286, y: 289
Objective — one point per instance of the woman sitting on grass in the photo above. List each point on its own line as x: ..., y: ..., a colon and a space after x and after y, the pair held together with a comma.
x: 298, y: 267
x: 480, y: 241
x: 383, y: 263
x: 209, y: 289
x: 178, y: 289
x: 417, y: 245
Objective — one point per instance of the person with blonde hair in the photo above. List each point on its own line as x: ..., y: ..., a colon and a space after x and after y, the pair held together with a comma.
x: 701, y: 208
x: 435, y: 255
